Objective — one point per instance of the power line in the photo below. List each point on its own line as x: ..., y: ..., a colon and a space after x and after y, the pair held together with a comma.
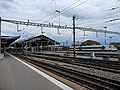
x: 113, y: 9
x: 110, y: 20
x: 50, y: 18
x: 64, y: 10
x: 74, y: 7
x: 69, y: 6
x: 87, y: 21
x: 55, y: 15
x: 88, y: 14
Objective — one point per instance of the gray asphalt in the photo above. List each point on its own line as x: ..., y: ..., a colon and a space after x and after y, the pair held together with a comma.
x: 16, y: 76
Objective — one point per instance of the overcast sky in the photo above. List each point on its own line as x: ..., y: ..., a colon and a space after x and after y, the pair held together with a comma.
x: 89, y: 13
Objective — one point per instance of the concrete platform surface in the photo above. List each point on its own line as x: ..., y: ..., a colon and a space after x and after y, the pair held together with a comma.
x: 15, y: 75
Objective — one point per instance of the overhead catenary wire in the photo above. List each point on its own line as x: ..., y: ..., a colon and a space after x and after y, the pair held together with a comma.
x: 93, y: 19
x: 74, y: 7
x: 50, y: 18
x: 87, y: 9
x: 67, y: 7
x: 56, y: 26
x: 84, y: 22
x: 55, y: 15
x: 96, y: 24
x: 68, y: 4
x: 94, y: 13
x: 113, y: 21
x: 64, y: 10
x: 58, y: 13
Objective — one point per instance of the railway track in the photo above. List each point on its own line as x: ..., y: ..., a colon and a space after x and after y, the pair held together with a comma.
x: 111, y: 66
x: 86, y: 79
x: 98, y: 71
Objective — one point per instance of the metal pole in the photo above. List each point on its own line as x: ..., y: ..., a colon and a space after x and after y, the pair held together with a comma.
x: 74, y: 34
x: 105, y: 38
x: 0, y: 35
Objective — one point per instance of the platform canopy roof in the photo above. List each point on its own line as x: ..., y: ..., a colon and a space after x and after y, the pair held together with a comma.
x: 7, y: 40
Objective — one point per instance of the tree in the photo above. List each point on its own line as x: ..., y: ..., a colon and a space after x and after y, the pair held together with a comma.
x: 90, y: 42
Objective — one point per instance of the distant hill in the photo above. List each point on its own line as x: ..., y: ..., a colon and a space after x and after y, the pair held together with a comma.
x: 90, y: 42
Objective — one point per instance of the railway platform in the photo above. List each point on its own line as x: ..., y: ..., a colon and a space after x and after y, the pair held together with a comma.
x: 18, y: 75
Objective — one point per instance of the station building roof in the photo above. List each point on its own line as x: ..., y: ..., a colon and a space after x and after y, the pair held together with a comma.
x: 37, y: 40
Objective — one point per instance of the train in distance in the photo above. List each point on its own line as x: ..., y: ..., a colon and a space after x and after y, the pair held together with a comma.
x: 94, y: 48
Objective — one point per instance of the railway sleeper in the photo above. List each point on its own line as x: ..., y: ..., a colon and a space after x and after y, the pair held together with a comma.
x: 109, y: 80
x: 101, y: 67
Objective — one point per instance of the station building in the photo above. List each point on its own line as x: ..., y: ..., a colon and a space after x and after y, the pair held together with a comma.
x: 36, y: 44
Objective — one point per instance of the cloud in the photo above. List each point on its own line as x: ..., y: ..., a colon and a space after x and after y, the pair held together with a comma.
x: 93, y: 13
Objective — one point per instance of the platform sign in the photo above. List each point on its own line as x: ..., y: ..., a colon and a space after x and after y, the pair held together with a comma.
x: 6, y: 37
